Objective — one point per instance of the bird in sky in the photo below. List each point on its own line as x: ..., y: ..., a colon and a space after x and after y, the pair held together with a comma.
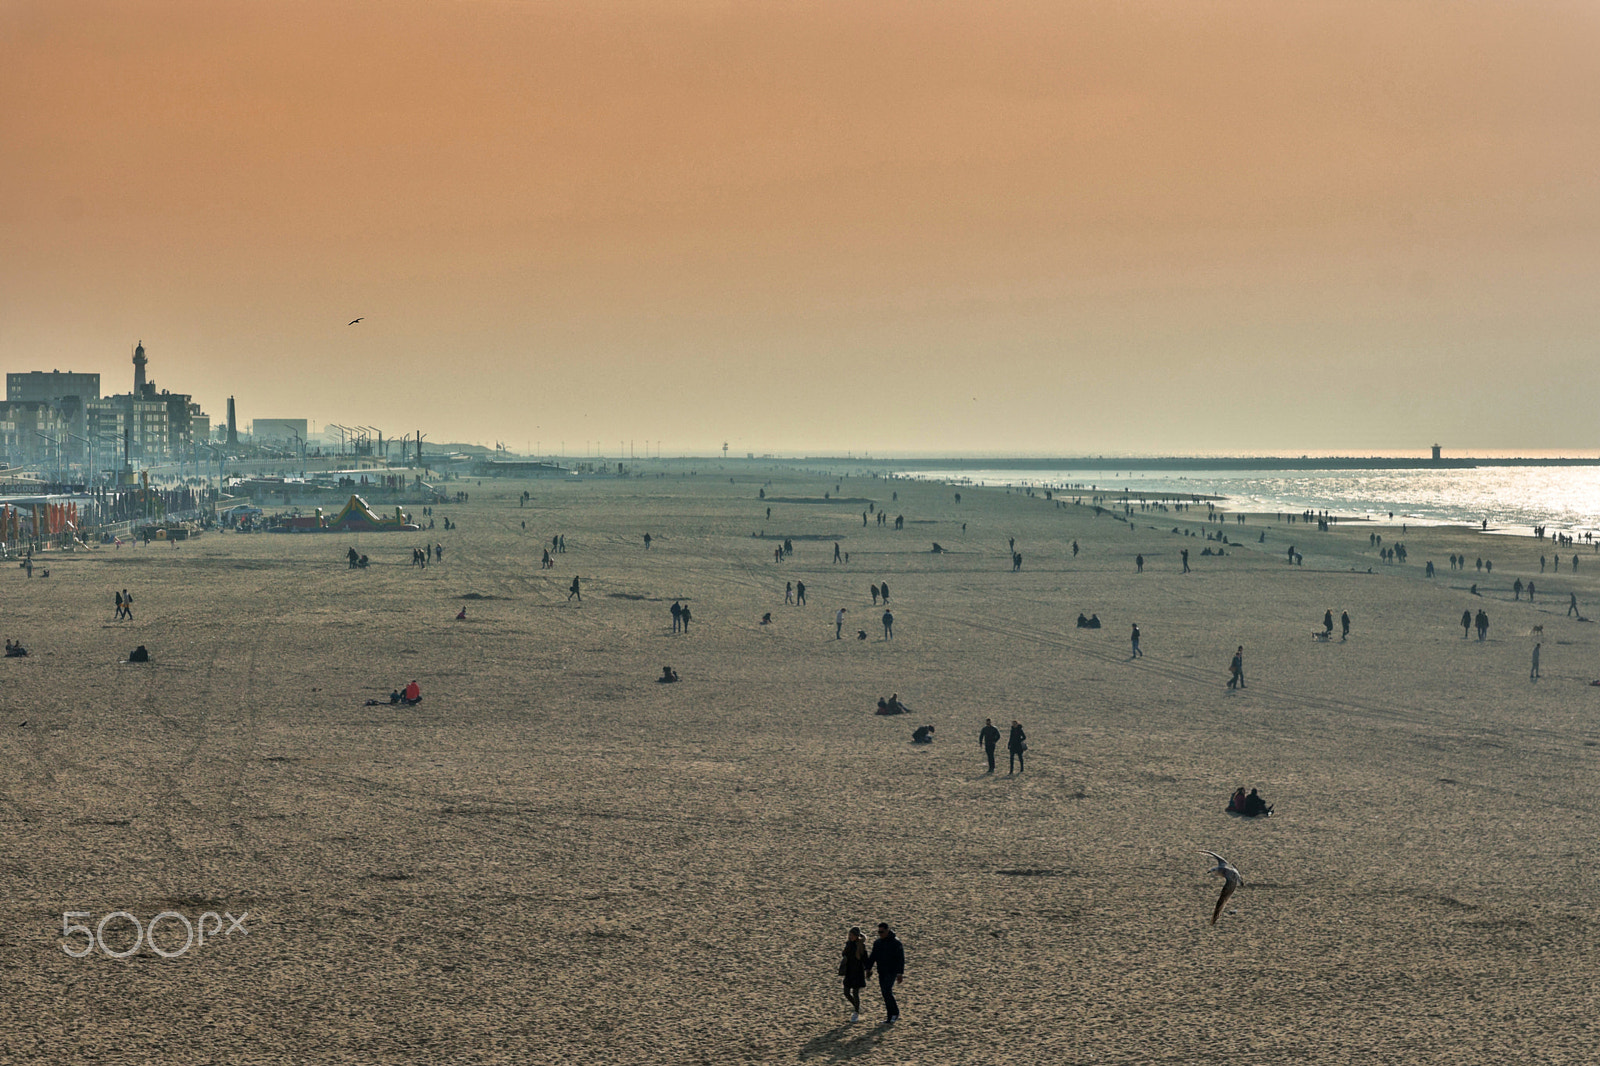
x: 353, y: 321
x: 1231, y: 880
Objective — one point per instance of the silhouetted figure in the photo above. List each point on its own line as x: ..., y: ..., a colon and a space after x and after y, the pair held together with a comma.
x: 988, y: 737
x: 1016, y: 746
x: 1255, y: 806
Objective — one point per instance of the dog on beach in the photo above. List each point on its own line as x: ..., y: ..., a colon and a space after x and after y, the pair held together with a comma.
x: 1536, y: 631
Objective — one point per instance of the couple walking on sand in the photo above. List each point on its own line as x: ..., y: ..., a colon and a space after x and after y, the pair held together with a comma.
x: 888, y: 954
x: 1016, y: 744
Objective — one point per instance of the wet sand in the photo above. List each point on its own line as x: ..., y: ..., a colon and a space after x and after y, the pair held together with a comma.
x: 553, y: 858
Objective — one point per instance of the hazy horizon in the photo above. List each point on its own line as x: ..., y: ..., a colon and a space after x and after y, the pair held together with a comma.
x: 892, y: 228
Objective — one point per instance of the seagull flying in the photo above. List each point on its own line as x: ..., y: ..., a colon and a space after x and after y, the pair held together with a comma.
x: 353, y: 321
x: 1231, y: 881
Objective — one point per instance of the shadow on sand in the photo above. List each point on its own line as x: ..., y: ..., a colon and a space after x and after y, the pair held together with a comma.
x: 843, y: 1043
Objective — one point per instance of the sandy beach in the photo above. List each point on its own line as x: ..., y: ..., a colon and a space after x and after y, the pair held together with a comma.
x: 553, y: 858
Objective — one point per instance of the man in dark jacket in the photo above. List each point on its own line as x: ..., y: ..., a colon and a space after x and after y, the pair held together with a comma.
x: 989, y: 736
x: 889, y: 956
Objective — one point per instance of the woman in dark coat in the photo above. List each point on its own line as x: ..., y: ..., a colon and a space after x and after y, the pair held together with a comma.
x: 1016, y: 745
x: 853, y: 968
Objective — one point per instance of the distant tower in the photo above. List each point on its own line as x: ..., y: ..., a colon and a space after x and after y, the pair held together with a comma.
x: 233, y: 423
x: 138, y: 369
x: 1436, y: 453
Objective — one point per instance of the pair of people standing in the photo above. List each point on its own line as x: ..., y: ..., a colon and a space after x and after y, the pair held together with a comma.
x: 124, y: 603
x: 1016, y: 744
x: 888, y: 955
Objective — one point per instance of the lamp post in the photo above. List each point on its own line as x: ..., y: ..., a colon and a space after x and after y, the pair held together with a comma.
x: 57, y: 445
x: 88, y: 447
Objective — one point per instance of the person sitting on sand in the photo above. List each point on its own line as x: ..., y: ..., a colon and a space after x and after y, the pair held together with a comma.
x: 895, y: 706
x: 923, y: 734
x: 1255, y: 806
x: 139, y: 655
x: 1094, y: 621
x: 668, y: 676
x: 461, y: 615
x: 412, y: 694
x: 766, y: 619
x: 883, y: 706
x: 1083, y: 623
x: 1236, y: 802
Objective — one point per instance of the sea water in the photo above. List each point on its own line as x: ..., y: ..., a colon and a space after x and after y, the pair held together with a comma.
x: 1564, y: 499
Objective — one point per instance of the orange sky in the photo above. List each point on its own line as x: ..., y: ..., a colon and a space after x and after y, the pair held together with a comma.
x: 876, y: 226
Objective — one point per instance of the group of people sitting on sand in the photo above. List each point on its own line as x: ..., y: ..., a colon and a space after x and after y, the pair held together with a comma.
x: 1092, y: 622
x: 409, y: 696
x: 15, y: 650
x: 891, y: 706
x: 1251, y: 806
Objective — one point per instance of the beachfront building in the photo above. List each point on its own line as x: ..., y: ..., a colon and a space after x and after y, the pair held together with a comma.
x: 85, y: 431
x: 33, y: 436
x: 126, y: 422
x: 145, y: 426
x: 69, y: 393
